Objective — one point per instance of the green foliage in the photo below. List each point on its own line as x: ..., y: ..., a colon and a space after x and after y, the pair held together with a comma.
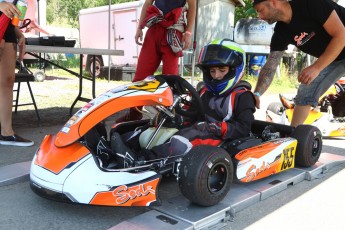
x: 65, y: 12
x: 245, y: 12
x: 285, y: 83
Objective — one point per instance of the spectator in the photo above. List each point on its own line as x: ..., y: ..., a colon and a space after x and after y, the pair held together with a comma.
x: 316, y: 27
x: 167, y: 36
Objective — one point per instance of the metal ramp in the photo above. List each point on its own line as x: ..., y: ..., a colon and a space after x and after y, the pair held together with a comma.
x: 179, y: 213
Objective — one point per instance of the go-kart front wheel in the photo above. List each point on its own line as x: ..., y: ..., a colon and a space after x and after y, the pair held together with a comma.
x: 309, y: 145
x: 205, y: 175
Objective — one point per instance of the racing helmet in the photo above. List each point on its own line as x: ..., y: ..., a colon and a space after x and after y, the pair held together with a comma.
x: 222, y: 52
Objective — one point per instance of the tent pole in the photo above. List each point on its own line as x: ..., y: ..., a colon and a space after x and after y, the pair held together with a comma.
x: 109, y: 40
x: 194, y: 42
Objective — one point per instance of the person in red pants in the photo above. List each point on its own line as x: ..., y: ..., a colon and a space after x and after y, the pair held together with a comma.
x: 168, y: 35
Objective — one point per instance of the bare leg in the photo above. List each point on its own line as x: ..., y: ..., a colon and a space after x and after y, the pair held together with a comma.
x: 2, y: 45
x: 300, y: 114
x: 7, y: 72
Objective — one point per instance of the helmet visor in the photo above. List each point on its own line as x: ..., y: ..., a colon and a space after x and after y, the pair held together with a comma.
x: 219, y: 55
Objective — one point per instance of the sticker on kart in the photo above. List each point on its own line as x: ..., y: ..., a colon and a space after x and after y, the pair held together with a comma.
x: 142, y: 194
x: 264, y: 160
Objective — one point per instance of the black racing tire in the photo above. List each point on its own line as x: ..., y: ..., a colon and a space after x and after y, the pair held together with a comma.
x: 205, y: 175
x: 309, y: 145
x: 98, y: 66
x: 39, y: 76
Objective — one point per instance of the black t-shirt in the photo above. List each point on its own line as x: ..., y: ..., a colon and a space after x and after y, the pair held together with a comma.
x: 167, y: 6
x: 305, y: 30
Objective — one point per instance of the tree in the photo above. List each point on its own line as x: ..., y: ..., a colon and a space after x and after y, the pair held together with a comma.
x: 245, y: 12
x: 66, y: 12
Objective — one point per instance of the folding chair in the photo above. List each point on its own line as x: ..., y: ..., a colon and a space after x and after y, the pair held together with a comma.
x: 24, y: 75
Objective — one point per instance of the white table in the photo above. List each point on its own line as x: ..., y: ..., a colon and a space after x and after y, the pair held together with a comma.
x: 33, y: 50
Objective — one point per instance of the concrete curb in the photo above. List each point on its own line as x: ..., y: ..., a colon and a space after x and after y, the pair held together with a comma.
x: 15, y: 173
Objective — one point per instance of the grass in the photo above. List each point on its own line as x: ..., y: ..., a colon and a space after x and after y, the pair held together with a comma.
x: 284, y: 84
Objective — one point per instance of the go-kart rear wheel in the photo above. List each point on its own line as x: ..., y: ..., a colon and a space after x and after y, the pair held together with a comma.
x: 309, y: 145
x: 205, y: 175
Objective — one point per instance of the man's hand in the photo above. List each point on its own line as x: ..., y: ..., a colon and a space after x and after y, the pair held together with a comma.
x: 257, y: 101
x: 308, y: 74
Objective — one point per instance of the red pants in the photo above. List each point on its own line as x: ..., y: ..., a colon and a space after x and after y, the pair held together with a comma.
x: 154, y: 50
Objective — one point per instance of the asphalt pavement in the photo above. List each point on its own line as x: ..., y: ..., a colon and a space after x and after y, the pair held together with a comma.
x: 315, y: 204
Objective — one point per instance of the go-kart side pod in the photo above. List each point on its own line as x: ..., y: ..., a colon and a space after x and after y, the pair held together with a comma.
x: 151, y: 91
x: 266, y: 159
x: 71, y: 174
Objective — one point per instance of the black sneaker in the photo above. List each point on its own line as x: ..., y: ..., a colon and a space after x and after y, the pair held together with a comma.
x: 123, y: 155
x: 15, y: 140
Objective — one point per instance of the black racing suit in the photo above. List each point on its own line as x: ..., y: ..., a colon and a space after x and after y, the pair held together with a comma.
x: 227, y: 117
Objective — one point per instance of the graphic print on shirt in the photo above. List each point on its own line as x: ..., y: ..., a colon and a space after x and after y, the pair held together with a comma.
x: 303, y: 38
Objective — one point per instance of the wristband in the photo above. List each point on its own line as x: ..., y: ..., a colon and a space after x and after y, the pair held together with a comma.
x: 257, y: 94
x: 188, y: 32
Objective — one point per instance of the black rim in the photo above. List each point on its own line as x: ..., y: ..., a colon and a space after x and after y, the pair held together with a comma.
x: 316, y: 147
x: 217, y: 177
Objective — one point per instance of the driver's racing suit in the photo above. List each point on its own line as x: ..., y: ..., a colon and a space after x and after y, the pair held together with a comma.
x: 227, y: 117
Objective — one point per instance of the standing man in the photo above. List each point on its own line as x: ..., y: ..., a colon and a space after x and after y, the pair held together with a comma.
x: 316, y: 27
x: 168, y: 35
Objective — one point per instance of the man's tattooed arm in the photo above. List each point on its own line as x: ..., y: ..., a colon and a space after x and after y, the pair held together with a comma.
x: 267, y: 72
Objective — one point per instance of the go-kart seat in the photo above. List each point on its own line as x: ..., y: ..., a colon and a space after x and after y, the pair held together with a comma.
x: 235, y: 146
x: 163, y: 135
x: 124, y: 127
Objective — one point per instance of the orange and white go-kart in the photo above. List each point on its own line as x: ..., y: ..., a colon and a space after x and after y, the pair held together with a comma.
x: 79, y: 165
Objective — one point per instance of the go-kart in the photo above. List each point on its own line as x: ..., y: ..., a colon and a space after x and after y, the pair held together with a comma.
x: 328, y: 116
x: 82, y: 162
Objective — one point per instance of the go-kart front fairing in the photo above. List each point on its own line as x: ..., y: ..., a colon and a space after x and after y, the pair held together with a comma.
x: 64, y: 168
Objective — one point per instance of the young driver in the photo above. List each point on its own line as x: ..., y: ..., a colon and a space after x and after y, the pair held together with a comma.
x: 229, y: 105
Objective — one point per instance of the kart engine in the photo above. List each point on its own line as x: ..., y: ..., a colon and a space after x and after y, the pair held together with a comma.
x: 270, y: 133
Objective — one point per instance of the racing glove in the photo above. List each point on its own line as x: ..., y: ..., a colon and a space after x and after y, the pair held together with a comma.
x: 215, y: 127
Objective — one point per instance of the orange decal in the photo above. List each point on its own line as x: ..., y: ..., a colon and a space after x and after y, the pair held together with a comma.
x: 257, y: 151
x: 254, y: 172
x: 123, y: 193
x: 137, y: 195
x: 56, y: 159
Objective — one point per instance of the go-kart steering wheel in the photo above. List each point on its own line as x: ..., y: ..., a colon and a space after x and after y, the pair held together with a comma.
x: 190, y: 104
